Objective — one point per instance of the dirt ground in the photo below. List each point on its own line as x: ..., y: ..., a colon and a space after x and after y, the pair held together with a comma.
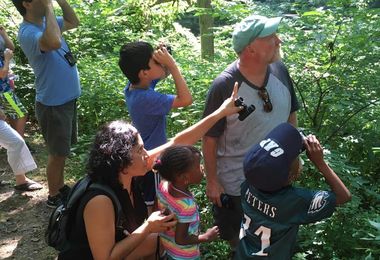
x: 24, y: 216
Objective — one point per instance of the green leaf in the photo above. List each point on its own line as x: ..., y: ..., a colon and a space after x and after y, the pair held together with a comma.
x: 312, y: 13
x: 375, y: 224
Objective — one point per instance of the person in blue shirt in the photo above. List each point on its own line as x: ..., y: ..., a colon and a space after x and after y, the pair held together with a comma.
x: 56, y: 81
x: 144, y: 67
x: 273, y: 208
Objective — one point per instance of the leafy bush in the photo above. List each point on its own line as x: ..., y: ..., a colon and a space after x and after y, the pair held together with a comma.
x: 331, y: 49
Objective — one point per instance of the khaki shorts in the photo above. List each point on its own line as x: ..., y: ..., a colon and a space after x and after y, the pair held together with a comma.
x: 59, y: 126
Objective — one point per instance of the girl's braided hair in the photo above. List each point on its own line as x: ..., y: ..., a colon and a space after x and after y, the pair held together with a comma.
x: 175, y: 161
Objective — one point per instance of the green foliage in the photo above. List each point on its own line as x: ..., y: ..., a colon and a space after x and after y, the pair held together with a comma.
x: 332, y: 51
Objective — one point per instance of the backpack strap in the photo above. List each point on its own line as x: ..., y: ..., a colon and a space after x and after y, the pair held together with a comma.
x: 112, y: 195
x: 77, y: 191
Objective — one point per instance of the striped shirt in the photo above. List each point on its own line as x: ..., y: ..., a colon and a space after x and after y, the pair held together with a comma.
x: 186, y: 211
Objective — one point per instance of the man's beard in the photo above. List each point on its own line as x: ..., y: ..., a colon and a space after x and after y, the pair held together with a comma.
x: 277, y: 55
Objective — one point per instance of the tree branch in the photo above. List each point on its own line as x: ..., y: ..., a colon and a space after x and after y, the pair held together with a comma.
x: 348, y: 118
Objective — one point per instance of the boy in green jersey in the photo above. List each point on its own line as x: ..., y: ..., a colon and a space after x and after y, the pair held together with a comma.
x: 273, y: 208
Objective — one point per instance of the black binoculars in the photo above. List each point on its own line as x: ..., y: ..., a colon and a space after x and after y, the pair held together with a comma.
x: 246, y: 111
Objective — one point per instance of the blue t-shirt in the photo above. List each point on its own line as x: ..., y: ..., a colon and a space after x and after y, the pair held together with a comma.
x: 148, y: 109
x: 56, y: 81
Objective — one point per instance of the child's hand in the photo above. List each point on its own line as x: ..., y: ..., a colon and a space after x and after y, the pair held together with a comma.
x: 314, y: 150
x: 162, y: 56
x: 211, y: 234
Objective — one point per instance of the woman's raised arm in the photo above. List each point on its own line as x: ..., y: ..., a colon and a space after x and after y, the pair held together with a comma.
x: 195, y: 132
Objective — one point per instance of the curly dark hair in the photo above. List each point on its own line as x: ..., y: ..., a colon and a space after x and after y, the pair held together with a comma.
x: 175, y: 161
x: 111, y: 152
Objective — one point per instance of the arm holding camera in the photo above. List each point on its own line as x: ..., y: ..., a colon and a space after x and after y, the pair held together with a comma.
x: 8, y: 54
x: 51, y: 37
x: 314, y: 152
x: 183, y: 97
x: 8, y: 42
x: 71, y: 20
x: 100, y: 230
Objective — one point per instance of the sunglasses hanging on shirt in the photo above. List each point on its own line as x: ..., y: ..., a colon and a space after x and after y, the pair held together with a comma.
x: 263, y: 94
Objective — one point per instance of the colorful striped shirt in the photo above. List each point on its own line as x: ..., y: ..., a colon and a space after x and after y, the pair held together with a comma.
x: 186, y: 211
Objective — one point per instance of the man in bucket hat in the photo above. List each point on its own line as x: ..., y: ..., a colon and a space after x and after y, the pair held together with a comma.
x: 263, y: 82
x: 273, y: 208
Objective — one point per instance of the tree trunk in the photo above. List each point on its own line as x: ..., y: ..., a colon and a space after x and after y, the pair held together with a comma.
x: 206, y: 22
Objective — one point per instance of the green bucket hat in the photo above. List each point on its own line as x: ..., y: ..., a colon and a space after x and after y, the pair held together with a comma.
x: 252, y: 27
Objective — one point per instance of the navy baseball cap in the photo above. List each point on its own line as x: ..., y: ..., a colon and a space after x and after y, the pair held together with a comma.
x: 267, y: 164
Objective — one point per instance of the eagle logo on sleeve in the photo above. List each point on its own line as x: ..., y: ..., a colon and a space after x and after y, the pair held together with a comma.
x: 318, y: 202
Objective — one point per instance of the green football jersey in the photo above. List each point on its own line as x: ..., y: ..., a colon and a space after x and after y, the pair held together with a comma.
x: 271, y: 220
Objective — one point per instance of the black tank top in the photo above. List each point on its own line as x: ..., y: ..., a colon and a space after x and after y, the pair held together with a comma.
x: 131, y: 219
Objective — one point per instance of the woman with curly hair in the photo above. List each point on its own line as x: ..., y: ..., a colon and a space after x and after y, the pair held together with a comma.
x: 117, y: 156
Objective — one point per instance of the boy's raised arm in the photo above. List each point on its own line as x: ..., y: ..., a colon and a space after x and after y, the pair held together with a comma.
x: 183, y: 95
x: 314, y: 152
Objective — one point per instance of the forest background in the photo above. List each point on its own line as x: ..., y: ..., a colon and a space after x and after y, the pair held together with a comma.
x: 331, y: 48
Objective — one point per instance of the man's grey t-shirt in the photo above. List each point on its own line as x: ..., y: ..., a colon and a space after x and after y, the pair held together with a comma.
x: 235, y: 137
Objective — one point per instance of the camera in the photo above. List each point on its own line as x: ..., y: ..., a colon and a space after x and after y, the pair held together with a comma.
x: 304, y: 138
x: 166, y: 211
x: 246, y: 111
x: 169, y: 49
x: 226, y: 201
x: 70, y: 58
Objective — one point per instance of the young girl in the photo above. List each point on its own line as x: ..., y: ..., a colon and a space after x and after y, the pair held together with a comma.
x: 180, y: 167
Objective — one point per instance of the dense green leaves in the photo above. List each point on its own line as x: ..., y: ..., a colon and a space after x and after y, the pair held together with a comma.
x: 332, y: 51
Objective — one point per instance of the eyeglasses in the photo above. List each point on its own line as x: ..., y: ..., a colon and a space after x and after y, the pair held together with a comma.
x: 263, y: 94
